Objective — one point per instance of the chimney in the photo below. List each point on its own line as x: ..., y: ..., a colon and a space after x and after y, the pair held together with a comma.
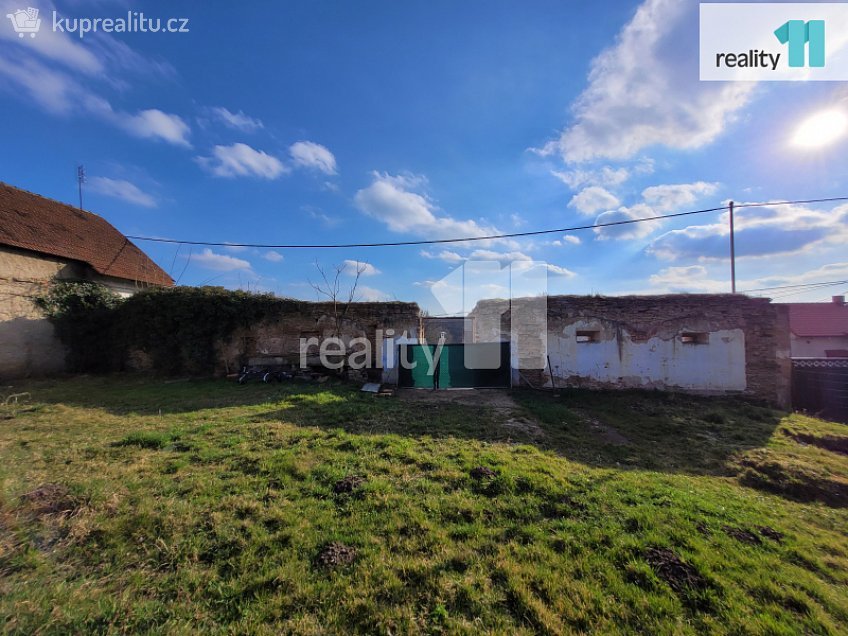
x: 838, y: 300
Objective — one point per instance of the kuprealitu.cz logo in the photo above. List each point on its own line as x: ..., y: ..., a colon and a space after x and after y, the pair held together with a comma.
x: 28, y: 22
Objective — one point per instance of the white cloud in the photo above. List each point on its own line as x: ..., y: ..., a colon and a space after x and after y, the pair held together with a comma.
x: 121, y: 189
x: 155, y: 124
x: 625, y: 109
x: 691, y: 279
x: 698, y: 279
x: 562, y: 272
x: 626, y: 230
x: 397, y: 202
x: 517, y: 220
x: 219, y: 262
x: 238, y: 121
x: 308, y: 154
x: 452, y: 257
x: 504, y: 258
x: 606, y: 176
x: 274, y: 257
x: 593, y: 199
x: 62, y: 85
x: 52, y: 45
x: 573, y: 239
x: 366, y: 269
x: 370, y: 294
x: 671, y: 197
x: 448, y: 256
x: 240, y: 160
x: 60, y: 94
x: 760, y: 232
x: 519, y: 260
x: 831, y: 271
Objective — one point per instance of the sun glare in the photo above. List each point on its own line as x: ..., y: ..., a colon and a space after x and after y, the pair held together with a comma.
x: 821, y: 129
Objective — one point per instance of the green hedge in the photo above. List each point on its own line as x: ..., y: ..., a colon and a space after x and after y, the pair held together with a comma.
x: 178, y: 327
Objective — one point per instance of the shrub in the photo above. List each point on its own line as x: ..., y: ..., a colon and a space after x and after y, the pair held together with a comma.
x: 178, y: 327
x: 82, y: 313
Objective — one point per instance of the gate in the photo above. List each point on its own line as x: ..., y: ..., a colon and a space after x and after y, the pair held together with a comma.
x: 820, y: 387
x: 452, y: 369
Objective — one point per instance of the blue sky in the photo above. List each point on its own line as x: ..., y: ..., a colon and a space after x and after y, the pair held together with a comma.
x: 325, y: 122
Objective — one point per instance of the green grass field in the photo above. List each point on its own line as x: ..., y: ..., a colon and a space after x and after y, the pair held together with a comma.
x: 137, y: 505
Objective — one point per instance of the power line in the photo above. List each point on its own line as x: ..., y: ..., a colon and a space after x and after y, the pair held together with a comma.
x: 804, y: 291
x: 825, y: 283
x: 427, y: 242
x: 486, y: 238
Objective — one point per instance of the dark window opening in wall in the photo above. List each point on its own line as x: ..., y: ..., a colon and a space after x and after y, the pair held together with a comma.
x: 588, y: 336
x: 695, y: 337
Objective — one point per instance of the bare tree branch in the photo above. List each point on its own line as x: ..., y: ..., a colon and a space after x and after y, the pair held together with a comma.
x: 330, y: 287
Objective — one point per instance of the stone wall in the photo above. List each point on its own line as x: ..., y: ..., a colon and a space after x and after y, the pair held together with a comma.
x: 700, y: 343
x: 279, y: 337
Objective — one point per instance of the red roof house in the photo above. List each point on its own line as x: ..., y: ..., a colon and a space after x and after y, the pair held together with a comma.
x: 819, y: 330
x: 41, y: 240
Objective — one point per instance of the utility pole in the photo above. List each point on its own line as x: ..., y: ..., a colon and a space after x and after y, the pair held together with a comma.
x: 80, y: 181
x: 732, y: 253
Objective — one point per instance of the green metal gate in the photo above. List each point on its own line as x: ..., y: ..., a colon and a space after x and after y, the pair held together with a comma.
x: 452, y: 368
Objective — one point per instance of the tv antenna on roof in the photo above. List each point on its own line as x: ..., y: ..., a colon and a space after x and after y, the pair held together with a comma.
x: 80, y: 181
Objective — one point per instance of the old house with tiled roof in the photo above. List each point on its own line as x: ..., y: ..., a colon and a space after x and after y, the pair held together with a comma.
x: 819, y: 330
x: 42, y: 239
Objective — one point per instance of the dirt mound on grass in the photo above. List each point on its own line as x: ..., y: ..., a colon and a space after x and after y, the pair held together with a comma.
x: 763, y: 470
x: 770, y: 533
x: 348, y: 484
x: 742, y: 535
x: 482, y: 472
x: 680, y: 576
x: 335, y: 555
x: 50, y: 499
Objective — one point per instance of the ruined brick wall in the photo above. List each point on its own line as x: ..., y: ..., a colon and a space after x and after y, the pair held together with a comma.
x: 642, y: 341
x: 279, y: 337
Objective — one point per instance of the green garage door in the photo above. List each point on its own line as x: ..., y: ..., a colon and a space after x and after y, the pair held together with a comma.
x: 453, y: 370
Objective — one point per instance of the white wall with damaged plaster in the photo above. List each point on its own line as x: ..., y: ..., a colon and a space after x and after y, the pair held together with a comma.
x: 658, y: 362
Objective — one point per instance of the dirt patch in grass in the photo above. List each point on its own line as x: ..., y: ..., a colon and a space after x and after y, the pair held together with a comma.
x: 742, y: 535
x: 50, y: 499
x: 482, y: 472
x: 797, y: 481
x: 524, y: 425
x: 608, y: 433
x: 335, y: 555
x: 832, y: 443
x: 603, y: 431
x: 680, y: 576
x: 770, y: 533
x: 348, y: 484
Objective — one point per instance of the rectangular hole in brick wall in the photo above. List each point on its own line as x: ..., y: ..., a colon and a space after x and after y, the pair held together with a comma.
x: 695, y: 337
x: 593, y: 335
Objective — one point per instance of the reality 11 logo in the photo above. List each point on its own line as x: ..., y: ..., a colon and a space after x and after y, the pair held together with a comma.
x: 798, y: 34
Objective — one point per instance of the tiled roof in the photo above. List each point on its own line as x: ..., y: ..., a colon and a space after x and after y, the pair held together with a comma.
x: 818, y: 319
x: 35, y: 223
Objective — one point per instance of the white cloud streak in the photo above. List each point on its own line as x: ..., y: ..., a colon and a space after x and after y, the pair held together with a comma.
x: 241, y: 160
x: 121, y: 189
x: 624, y: 109
x: 308, y: 154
